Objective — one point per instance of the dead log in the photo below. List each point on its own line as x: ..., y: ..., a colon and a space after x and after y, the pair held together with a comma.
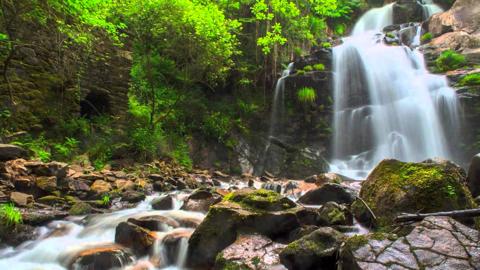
x: 468, y: 213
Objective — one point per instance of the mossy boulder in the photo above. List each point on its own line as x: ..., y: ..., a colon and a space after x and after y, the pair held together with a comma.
x: 80, y: 209
x: 254, y: 211
x: 317, y: 250
x: 51, y: 200
x: 396, y: 187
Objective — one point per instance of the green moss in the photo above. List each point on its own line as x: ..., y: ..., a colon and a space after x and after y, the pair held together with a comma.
x: 260, y: 200
x: 51, y: 200
x: 308, y: 68
x: 470, y: 79
x: 426, y: 37
x: 336, y: 216
x: 449, y: 60
x: 390, y: 35
x: 80, y: 209
x: 222, y: 264
x: 306, y: 95
x: 395, y: 187
x: 319, y: 67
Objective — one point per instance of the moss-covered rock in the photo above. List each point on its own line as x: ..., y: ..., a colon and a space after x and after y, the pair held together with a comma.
x: 263, y: 212
x: 395, y: 187
x: 51, y: 200
x: 317, y: 250
x: 80, y: 208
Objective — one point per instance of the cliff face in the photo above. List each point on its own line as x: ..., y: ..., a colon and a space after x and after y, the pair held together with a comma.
x: 47, y: 77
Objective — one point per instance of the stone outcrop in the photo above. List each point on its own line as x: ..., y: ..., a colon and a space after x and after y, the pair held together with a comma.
x: 10, y: 152
x: 263, y: 212
x: 473, y: 178
x: 250, y: 252
x: 395, y: 187
x: 329, y: 192
x: 435, y: 243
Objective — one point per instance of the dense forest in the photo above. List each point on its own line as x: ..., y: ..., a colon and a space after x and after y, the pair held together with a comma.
x: 239, y: 134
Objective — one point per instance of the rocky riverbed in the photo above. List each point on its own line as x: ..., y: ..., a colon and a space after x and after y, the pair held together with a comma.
x: 163, y: 217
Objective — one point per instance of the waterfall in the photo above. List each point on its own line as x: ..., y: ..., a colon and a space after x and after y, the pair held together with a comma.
x: 430, y: 8
x: 278, y: 106
x: 386, y: 103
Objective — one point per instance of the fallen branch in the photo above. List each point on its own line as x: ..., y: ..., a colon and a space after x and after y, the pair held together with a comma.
x: 368, y: 208
x: 454, y: 214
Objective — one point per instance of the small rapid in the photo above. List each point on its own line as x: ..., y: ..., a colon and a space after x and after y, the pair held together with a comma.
x: 60, y: 241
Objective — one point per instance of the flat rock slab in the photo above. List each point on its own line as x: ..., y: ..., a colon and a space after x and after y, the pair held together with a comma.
x: 435, y: 243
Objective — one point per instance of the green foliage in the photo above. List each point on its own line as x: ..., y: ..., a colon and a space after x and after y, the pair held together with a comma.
x: 449, y: 60
x: 319, y: 67
x: 308, y: 68
x: 10, y: 215
x: 38, y: 146
x: 426, y: 37
x: 181, y: 155
x: 217, y: 125
x: 67, y: 149
x: 470, y: 79
x: 326, y: 45
x: 106, y: 199
x: 306, y: 95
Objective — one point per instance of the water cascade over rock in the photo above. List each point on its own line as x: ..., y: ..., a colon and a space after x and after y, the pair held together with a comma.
x: 387, y: 105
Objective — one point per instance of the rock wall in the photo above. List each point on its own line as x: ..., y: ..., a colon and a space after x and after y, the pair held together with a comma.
x: 49, y: 78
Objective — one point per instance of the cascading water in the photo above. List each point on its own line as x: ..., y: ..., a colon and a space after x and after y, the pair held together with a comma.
x: 278, y: 108
x: 53, y: 251
x: 387, y: 105
x: 430, y: 8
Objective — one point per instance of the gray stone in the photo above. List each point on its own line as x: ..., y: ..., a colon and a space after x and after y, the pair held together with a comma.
x: 10, y: 152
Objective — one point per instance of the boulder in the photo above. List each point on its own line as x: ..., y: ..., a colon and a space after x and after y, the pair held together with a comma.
x: 155, y: 222
x: 101, y: 257
x: 395, y: 187
x: 138, y: 239
x: 329, y: 192
x: 51, y: 200
x: 473, y: 178
x: 332, y: 214
x: 463, y: 16
x: 132, y: 196
x: 434, y: 243
x: 11, y: 152
x: 257, y: 211
x: 80, y: 209
x: 38, y: 168
x: 201, y: 200
x: 173, y: 242
x: 101, y: 187
x: 122, y: 184
x: 250, y: 252
x: 46, y: 183
x: 21, y: 199
x: 405, y: 11
x: 163, y: 203
x: 316, y: 251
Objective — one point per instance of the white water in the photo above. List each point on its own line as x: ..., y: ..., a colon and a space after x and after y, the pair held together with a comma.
x: 387, y: 105
x: 53, y: 252
x: 430, y: 8
x: 278, y: 109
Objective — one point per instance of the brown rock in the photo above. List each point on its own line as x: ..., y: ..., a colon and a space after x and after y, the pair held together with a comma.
x: 164, y: 203
x: 101, y: 187
x: 10, y: 152
x: 101, y: 257
x: 123, y: 184
x: 155, y: 222
x: 21, y: 199
x: 46, y: 183
x: 139, y: 239
x: 201, y: 200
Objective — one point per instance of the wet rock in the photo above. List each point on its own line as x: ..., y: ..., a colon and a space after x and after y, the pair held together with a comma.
x: 46, y: 183
x: 138, y: 239
x: 37, y: 217
x: 329, y: 193
x: 250, y: 252
x: 80, y: 209
x: 201, y: 200
x: 101, y: 187
x: 132, y: 196
x: 51, y: 200
x: 173, y: 243
x: 11, y: 152
x: 261, y: 211
x: 317, y: 250
x: 405, y: 11
x: 57, y: 169
x: 395, y: 187
x: 164, y: 203
x: 473, y: 178
x: 434, y: 243
x: 155, y: 223
x: 331, y: 214
x: 21, y: 199
x: 463, y: 16
x: 102, y: 257
x: 78, y: 185
x: 14, y: 236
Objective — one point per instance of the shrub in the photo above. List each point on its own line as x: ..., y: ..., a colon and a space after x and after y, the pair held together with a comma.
x: 217, y: 125
x: 308, y: 68
x: 470, y: 79
x: 181, y: 154
x: 66, y: 149
x: 10, y: 215
x: 106, y: 199
x: 426, y: 37
x: 449, y: 60
x: 38, y: 146
x: 306, y: 95
x: 327, y: 45
x: 147, y: 142
x: 319, y: 67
